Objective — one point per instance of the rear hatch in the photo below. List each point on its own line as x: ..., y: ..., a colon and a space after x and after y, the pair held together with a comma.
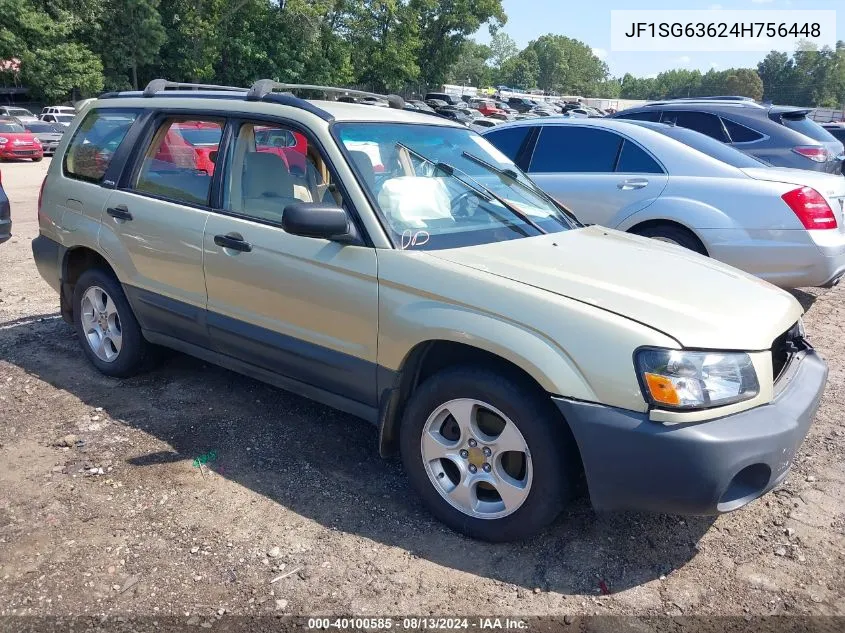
x: 796, y: 119
x: 831, y: 186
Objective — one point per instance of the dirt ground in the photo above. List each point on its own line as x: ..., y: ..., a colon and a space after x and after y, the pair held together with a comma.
x: 294, y: 512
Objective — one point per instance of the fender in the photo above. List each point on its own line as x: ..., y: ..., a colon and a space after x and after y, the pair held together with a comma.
x: 537, y: 355
x: 692, y: 214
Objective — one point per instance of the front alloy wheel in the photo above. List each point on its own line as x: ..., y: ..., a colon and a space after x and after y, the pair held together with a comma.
x: 476, y: 458
x: 487, y: 452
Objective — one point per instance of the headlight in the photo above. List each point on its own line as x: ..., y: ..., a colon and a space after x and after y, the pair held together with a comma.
x: 676, y: 379
x: 3, y: 140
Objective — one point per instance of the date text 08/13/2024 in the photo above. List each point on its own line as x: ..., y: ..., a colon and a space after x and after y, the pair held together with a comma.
x: 418, y: 623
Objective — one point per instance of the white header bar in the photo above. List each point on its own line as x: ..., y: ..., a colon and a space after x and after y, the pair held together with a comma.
x: 718, y: 30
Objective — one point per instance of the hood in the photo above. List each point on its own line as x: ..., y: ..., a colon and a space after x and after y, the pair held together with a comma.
x: 699, y: 302
x: 19, y: 138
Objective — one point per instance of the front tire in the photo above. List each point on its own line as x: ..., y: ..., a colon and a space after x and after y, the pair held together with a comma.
x: 490, y: 456
x: 106, y: 327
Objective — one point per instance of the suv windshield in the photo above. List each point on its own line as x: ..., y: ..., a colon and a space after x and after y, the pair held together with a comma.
x: 703, y: 143
x: 440, y: 187
x: 18, y: 112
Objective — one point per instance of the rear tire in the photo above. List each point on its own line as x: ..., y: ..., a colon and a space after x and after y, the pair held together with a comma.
x: 673, y: 234
x: 107, y: 329
x: 535, y: 481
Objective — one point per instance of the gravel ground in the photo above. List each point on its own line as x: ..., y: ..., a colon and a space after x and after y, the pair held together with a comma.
x: 105, y: 507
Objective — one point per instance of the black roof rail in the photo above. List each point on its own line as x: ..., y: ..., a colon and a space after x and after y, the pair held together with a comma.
x: 159, y: 85
x: 264, y: 87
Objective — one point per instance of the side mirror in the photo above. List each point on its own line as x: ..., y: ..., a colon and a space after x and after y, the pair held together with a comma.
x: 320, y: 220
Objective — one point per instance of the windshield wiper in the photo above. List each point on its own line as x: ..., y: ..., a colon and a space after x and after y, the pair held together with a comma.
x: 470, y: 182
x: 511, y: 175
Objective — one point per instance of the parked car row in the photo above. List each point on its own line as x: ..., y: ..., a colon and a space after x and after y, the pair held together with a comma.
x: 506, y: 351
x: 57, y: 115
x: 679, y: 186
x: 783, y: 136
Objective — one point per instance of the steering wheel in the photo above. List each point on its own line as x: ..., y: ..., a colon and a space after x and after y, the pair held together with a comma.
x: 465, y: 205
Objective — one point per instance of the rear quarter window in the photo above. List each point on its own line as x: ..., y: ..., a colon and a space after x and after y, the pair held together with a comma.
x: 95, y: 142
x: 645, y: 115
x: 740, y: 133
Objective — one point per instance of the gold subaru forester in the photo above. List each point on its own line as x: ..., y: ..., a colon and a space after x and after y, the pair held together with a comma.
x: 395, y: 265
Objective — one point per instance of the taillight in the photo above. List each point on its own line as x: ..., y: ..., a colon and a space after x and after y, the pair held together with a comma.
x: 811, y: 208
x: 813, y: 152
x: 41, y: 195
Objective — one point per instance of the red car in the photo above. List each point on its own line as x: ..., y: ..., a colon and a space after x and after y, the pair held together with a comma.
x: 16, y: 142
x: 488, y: 108
x: 190, y: 144
x: 292, y: 147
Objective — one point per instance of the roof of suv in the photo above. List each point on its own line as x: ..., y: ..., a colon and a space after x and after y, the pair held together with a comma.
x: 234, y: 100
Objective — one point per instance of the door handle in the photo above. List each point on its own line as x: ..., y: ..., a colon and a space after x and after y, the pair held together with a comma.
x: 632, y: 183
x: 232, y: 242
x: 119, y: 213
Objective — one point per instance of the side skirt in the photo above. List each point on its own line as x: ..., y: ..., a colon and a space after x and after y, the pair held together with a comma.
x: 370, y: 414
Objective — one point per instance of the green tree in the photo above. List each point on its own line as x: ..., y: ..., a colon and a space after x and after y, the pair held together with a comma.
x: 444, y: 26
x: 385, y: 43
x: 744, y: 82
x: 566, y: 65
x: 521, y: 71
x: 134, y: 37
x: 57, y: 72
x: 471, y: 65
x: 502, y: 48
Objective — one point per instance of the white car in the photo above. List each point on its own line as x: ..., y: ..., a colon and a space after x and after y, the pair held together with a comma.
x: 676, y: 185
x: 21, y: 114
x: 58, y: 110
x: 59, y: 119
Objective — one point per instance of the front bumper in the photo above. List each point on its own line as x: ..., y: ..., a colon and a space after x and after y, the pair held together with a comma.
x: 711, y: 467
x: 21, y: 152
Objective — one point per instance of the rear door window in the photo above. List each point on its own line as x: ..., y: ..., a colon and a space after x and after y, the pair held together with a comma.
x: 703, y: 122
x: 95, y: 142
x: 568, y: 148
x: 179, y: 162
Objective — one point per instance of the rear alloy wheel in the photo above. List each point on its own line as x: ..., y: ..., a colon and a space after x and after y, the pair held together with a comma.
x: 489, y: 456
x: 107, y: 329
x: 673, y: 234
x: 101, y: 324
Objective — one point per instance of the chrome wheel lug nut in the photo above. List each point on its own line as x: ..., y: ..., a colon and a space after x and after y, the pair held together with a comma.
x: 464, y: 453
x: 472, y: 443
x: 486, y: 468
x: 487, y: 451
x: 473, y: 469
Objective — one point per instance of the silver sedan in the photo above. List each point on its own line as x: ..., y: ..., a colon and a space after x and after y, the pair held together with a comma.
x: 676, y: 185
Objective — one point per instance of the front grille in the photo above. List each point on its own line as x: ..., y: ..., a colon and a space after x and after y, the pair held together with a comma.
x: 784, y: 348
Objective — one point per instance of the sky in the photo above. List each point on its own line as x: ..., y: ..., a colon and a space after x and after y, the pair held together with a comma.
x: 589, y: 21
